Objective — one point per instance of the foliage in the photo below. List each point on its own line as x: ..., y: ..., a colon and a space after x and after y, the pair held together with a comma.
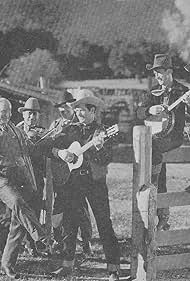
x: 89, y: 39
x: 27, y: 69
x: 18, y: 41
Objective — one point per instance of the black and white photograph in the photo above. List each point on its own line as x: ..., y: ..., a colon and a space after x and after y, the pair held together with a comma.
x: 95, y: 140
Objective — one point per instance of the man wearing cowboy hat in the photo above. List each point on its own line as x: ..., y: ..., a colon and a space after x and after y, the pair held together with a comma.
x: 164, y: 94
x: 89, y: 181
x: 16, y: 177
x: 67, y: 118
x: 30, y: 112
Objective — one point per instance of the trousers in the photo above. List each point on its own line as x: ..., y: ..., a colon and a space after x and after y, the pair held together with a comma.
x: 58, y: 216
x: 23, y: 219
x: 97, y: 194
x: 160, y: 146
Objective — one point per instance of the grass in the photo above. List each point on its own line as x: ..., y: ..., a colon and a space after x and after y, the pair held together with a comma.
x: 120, y: 192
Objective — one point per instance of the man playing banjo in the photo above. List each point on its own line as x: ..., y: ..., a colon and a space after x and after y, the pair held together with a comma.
x: 168, y: 94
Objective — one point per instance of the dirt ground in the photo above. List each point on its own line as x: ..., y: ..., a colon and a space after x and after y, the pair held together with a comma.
x: 120, y: 192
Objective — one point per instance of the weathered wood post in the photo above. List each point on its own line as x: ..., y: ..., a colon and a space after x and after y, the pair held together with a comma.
x: 143, y: 207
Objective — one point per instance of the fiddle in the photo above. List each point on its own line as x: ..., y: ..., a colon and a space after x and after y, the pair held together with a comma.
x: 58, y: 130
x: 35, y: 133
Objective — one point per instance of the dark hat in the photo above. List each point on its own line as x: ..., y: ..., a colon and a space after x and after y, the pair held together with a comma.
x: 86, y: 96
x: 66, y: 97
x: 160, y: 61
x: 31, y: 104
x: 187, y: 67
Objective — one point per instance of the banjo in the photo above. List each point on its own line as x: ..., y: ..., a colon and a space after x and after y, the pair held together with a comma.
x: 163, y: 123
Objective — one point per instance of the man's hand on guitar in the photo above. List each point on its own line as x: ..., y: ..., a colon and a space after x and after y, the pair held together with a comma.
x: 156, y: 109
x: 186, y: 98
x: 98, y: 141
x: 66, y: 155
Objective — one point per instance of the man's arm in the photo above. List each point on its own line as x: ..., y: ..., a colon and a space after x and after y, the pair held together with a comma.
x: 101, y: 153
x: 142, y: 111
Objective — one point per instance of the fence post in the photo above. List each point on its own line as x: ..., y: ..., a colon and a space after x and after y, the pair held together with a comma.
x: 142, y: 207
x: 151, y: 239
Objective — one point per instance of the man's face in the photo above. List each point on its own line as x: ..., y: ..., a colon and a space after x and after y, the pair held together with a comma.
x: 31, y: 117
x: 5, y: 113
x: 85, y: 115
x: 163, y: 76
x: 66, y: 110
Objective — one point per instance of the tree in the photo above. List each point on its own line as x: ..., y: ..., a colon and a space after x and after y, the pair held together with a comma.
x: 116, y: 59
x: 27, y: 69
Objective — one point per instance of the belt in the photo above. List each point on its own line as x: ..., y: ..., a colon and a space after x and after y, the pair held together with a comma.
x: 84, y: 172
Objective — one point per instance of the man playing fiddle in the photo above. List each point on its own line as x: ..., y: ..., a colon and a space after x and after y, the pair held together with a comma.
x: 30, y: 125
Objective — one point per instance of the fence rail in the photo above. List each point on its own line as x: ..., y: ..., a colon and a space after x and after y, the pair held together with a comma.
x: 145, y: 239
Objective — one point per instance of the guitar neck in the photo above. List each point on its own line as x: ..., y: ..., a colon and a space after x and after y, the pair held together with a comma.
x: 173, y: 105
x: 85, y: 147
x: 111, y: 131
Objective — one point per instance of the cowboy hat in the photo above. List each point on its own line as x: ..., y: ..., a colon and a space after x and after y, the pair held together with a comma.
x: 160, y: 61
x: 67, y: 97
x: 31, y: 104
x: 86, y: 96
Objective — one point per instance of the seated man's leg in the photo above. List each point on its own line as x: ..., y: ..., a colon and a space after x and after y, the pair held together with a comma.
x: 163, y: 213
x: 160, y: 146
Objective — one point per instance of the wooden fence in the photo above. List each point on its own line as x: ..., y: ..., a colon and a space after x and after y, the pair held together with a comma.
x: 145, y: 238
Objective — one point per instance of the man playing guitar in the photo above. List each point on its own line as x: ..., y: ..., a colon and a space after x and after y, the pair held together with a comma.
x: 89, y: 180
x: 166, y: 93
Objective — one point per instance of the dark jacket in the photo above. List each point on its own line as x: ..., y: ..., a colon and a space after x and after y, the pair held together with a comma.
x: 98, y: 159
x: 95, y: 160
x: 177, y: 90
x: 70, y: 133
x: 37, y: 158
x: 15, y: 163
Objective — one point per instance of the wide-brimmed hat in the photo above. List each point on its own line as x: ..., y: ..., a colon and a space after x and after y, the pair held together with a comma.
x: 66, y: 97
x: 160, y: 61
x: 187, y: 67
x: 86, y: 96
x: 31, y: 104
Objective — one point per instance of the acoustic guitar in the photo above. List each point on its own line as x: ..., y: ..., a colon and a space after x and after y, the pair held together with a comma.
x: 78, y: 150
x: 163, y: 123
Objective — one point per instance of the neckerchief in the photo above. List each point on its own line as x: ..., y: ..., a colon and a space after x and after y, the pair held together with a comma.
x: 87, y: 130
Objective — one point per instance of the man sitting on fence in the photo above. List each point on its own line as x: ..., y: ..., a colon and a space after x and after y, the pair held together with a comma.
x: 165, y: 94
